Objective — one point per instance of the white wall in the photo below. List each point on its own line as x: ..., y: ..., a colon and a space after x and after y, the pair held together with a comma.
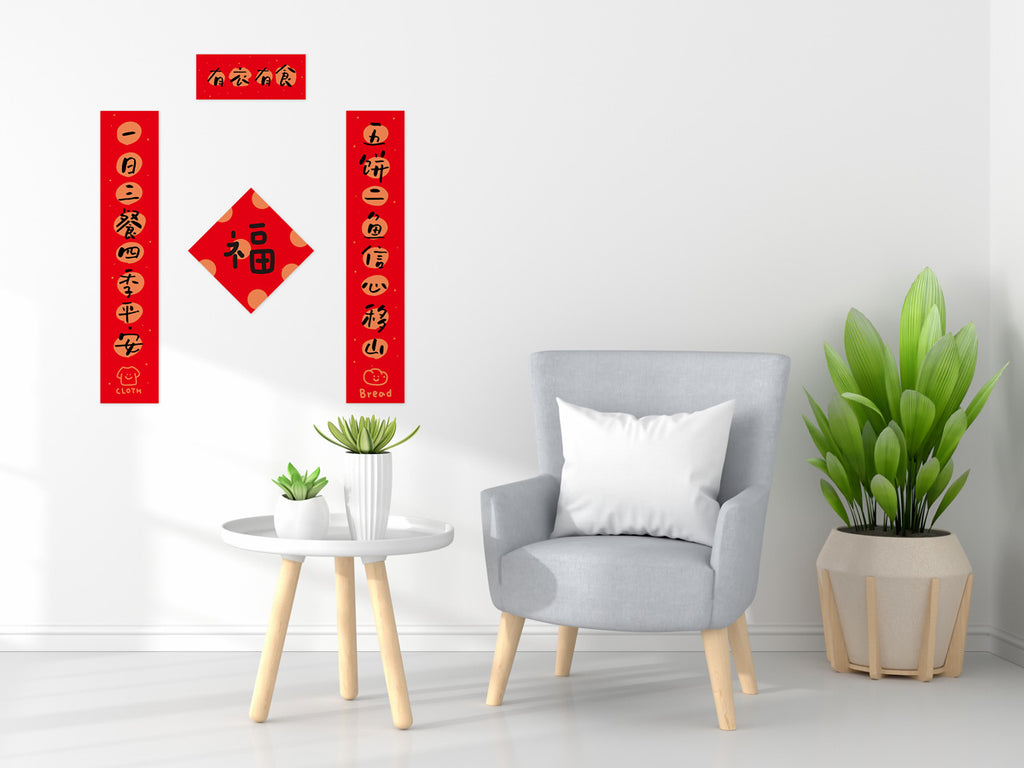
x: 1007, y: 163
x: 693, y: 175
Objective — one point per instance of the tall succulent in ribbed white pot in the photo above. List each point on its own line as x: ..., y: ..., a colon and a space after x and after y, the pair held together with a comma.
x: 886, y: 445
x: 368, y: 474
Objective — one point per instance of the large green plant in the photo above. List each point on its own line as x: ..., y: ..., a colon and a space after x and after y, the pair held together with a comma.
x: 887, y: 440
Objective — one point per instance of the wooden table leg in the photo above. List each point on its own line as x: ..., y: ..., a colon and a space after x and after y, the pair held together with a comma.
x: 277, y: 628
x: 344, y: 589
x: 390, y: 652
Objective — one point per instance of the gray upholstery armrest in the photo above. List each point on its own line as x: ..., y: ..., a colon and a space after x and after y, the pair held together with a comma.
x: 515, y: 515
x: 736, y: 553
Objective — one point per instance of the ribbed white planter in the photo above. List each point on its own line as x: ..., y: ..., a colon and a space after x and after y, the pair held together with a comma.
x: 367, y: 494
x: 306, y: 519
x: 895, y: 605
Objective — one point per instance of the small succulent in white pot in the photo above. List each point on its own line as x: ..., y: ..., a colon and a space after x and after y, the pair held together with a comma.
x: 301, y: 513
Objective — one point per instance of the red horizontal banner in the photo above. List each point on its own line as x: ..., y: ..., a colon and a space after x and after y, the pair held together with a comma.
x: 129, y: 265
x: 375, y: 258
x: 250, y: 76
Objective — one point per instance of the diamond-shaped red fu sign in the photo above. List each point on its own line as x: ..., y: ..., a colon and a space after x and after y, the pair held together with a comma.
x: 250, y: 250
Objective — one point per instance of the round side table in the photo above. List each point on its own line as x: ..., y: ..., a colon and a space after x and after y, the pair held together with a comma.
x: 405, y: 535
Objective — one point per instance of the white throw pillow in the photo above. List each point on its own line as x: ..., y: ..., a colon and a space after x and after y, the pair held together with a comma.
x: 657, y: 475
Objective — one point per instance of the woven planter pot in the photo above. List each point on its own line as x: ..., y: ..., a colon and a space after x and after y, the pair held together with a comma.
x: 895, y: 605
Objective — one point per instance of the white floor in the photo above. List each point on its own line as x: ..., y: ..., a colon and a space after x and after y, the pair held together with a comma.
x: 106, y: 710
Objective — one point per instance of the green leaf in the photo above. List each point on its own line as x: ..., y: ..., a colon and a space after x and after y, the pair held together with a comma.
x: 945, y: 475
x: 818, y: 464
x: 940, y: 369
x: 834, y: 501
x: 293, y: 473
x: 311, y: 477
x: 823, y: 425
x: 842, y: 376
x: 931, y: 332
x: 926, y: 477
x: 982, y: 397
x: 846, y: 431
x: 869, y: 438
x: 838, y: 475
x: 887, y: 454
x: 917, y: 413
x: 816, y: 437
x: 954, y: 490
x: 925, y: 292
x: 859, y: 398
x: 967, y: 352
x: 893, y: 390
x: 363, y: 442
x: 956, y: 426
x: 901, y: 471
x: 885, y: 494
x: 865, y: 352
x: 407, y: 437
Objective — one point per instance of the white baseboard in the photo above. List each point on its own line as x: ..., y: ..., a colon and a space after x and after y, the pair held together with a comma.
x: 536, y: 637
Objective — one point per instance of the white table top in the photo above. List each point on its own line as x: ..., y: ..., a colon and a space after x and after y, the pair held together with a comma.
x: 405, y: 535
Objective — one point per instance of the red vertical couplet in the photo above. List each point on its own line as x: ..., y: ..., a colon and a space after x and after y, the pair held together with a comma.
x: 129, y: 274
x: 375, y: 257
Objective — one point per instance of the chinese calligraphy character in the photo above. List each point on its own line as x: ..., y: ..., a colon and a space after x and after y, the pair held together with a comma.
x: 375, y: 167
x: 129, y: 194
x: 285, y: 76
x: 129, y: 164
x: 216, y: 77
x: 128, y: 344
x: 129, y: 252
x: 237, y: 249
x: 374, y: 227
x: 129, y: 224
x: 129, y: 312
x: 374, y: 285
x: 239, y: 76
x: 375, y: 257
x: 375, y: 195
x: 375, y: 317
x: 130, y: 283
x: 129, y: 132
x: 375, y: 134
x: 375, y: 348
x: 262, y: 261
x: 263, y: 77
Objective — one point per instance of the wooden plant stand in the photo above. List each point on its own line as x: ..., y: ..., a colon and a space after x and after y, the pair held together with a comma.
x: 835, y: 645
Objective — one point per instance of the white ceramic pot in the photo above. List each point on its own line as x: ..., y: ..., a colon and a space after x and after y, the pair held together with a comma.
x: 903, y: 569
x: 305, y: 519
x: 368, y: 494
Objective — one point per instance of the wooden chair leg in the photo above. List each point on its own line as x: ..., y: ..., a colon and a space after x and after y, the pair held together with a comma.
x: 566, y: 648
x: 716, y: 652
x: 739, y: 641
x: 509, y: 631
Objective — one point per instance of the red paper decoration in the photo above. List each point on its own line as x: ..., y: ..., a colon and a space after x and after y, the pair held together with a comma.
x: 247, y: 76
x: 375, y: 257
x: 250, y: 250
x: 129, y: 264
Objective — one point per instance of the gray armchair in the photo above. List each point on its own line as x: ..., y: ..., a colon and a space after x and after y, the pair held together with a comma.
x: 638, y: 583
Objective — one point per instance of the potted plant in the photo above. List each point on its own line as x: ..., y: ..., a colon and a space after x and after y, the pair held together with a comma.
x: 300, y: 512
x: 895, y: 591
x: 367, y: 470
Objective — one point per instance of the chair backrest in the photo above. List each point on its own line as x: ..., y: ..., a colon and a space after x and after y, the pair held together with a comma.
x: 648, y: 383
